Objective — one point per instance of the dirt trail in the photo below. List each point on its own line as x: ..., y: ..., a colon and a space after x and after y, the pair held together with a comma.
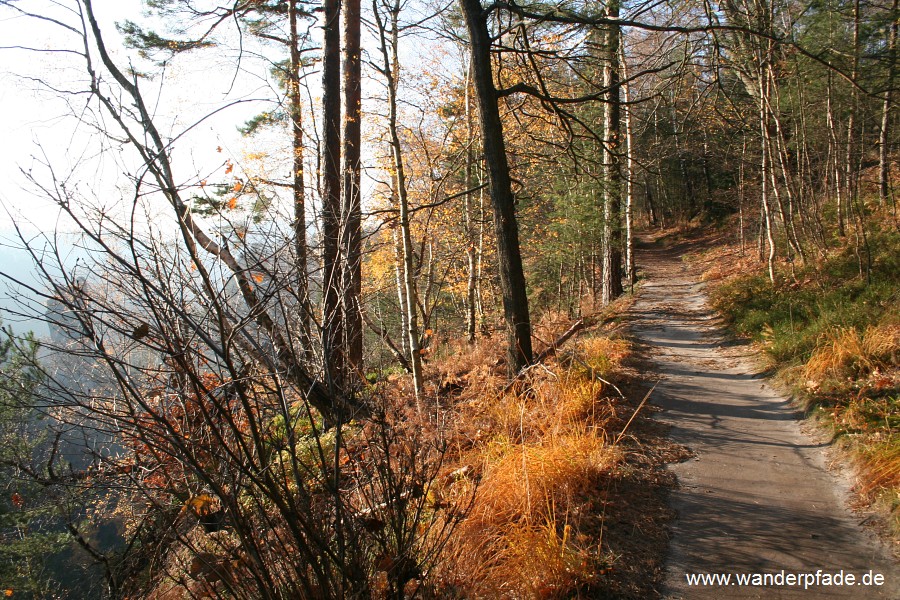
x: 757, y: 496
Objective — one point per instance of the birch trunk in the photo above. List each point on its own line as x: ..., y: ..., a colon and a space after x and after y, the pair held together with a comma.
x: 409, y: 292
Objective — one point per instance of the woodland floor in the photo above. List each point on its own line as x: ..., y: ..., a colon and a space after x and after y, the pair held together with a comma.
x: 756, y: 495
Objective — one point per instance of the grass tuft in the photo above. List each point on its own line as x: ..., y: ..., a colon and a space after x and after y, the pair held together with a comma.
x: 541, y: 454
x: 848, y: 352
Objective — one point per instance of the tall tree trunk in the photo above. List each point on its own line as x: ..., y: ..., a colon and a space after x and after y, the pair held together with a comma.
x: 512, y: 277
x: 400, y: 279
x: 741, y: 196
x: 764, y: 165
x: 389, y: 52
x: 472, y: 283
x: 479, y: 255
x: 333, y: 340
x: 630, y: 269
x: 780, y: 151
x: 299, y: 187
x: 851, y: 173
x: 612, y: 196
x: 351, y: 201
x: 651, y: 207
x: 884, y: 139
x: 833, y: 152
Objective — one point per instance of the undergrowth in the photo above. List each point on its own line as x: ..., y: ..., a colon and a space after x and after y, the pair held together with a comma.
x: 542, y: 453
x: 833, y: 334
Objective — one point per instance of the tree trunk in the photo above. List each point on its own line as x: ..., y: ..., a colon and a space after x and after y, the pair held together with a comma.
x: 884, y: 140
x: 512, y: 277
x: 834, y: 163
x: 333, y: 340
x: 409, y: 294
x: 472, y: 283
x: 741, y: 196
x: 351, y: 202
x: 780, y: 151
x: 400, y: 279
x: 764, y: 165
x: 651, y: 207
x: 851, y: 173
x: 612, y: 230
x: 479, y: 254
x: 630, y: 269
x: 299, y: 187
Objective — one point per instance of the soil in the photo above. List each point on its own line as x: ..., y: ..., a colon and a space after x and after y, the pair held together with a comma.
x: 756, y: 495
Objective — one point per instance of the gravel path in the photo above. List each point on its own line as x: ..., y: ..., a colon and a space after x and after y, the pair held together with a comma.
x: 757, y: 496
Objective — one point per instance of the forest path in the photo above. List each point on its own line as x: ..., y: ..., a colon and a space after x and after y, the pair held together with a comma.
x: 757, y: 496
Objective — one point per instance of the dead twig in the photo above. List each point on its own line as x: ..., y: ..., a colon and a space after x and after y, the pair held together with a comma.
x: 636, y: 411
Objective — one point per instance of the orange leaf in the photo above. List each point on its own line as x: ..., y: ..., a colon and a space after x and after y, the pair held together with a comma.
x: 218, y: 148
x: 258, y: 277
x: 232, y: 203
x: 229, y: 167
x: 8, y: 593
x: 201, y: 505
x: 238, y: 186
x: 203, y: 183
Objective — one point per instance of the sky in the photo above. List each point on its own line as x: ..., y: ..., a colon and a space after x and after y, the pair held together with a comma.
x: 38, y: 126
x: 39, y: 123
x: 35, y: 121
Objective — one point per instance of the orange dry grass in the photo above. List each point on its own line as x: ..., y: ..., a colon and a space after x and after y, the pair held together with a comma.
x: 602, y: 355
x: 541, y: 455
x: 880, y: 477
x: 522, y: 537
x: 521, y: 481
x: 882, y: 469
x: 554, y: 404
x: 545, y: 562
x: 846, y: 352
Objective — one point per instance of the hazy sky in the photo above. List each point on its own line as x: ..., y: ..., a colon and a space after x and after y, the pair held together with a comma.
x: 31, y: 116
x: 39, y: 125
x: 38, y: 122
